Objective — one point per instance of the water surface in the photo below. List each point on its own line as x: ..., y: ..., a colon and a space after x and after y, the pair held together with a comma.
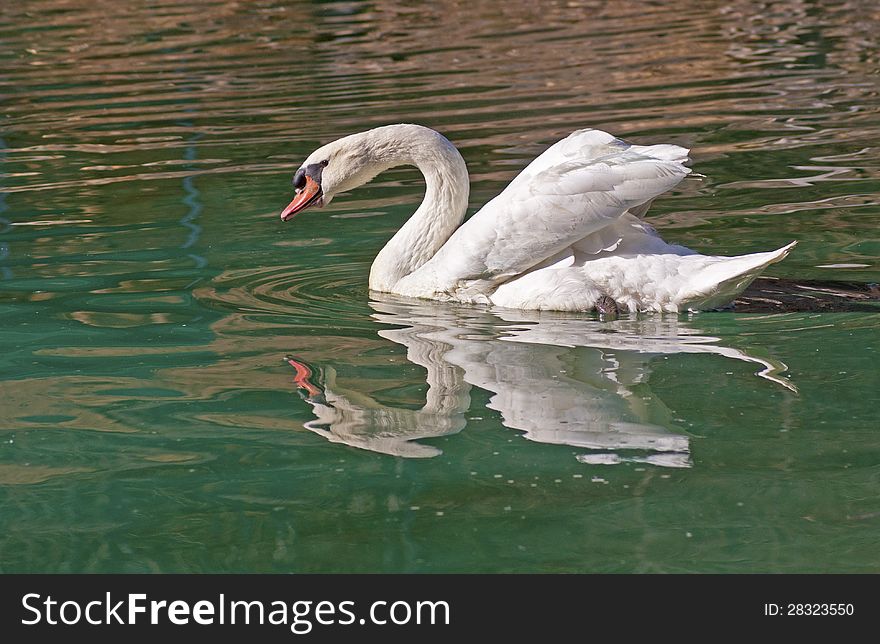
x: 149, y: 294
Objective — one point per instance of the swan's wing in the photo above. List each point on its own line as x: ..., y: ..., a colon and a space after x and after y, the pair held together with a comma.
x: 574, y: 189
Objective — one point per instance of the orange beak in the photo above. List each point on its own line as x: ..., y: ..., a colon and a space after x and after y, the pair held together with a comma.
x: 308, y: 195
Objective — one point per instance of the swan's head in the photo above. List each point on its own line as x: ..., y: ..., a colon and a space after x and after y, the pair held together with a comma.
x: 342, y: 165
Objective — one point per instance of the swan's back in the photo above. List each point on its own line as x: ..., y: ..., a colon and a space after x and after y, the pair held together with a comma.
x: 579, y: 186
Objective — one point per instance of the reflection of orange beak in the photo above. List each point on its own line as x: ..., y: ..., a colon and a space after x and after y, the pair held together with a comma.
x: 307, y: 196
x: 303, y: 376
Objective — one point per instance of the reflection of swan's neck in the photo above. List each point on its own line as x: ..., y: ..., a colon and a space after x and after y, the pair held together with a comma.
x: 442, y: 209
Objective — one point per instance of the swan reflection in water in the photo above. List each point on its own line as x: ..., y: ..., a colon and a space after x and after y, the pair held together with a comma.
x: 560, y: 380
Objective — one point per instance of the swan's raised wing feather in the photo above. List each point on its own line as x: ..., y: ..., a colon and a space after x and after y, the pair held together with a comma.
x: 575, y: 188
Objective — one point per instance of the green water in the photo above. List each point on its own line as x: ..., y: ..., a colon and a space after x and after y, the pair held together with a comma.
x: 149, y: 293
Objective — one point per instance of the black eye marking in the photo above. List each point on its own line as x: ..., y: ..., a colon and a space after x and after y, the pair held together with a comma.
x: 312, y: 171
x: 325, y: 162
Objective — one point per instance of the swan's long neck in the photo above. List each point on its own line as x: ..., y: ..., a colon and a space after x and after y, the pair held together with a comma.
x: 442, y: 210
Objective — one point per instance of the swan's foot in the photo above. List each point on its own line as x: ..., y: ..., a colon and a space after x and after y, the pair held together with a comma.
x: 607, y: 307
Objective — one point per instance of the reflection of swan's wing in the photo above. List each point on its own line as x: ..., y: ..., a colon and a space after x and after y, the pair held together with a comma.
x: 654, y: 335
x: 574, y: 189
x: 558, y: 396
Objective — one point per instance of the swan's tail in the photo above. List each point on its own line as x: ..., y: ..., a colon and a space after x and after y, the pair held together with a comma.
x: 718, y: 283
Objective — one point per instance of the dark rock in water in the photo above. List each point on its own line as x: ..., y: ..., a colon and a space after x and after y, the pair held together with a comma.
x: 606, y: 306
x: 772, y: 295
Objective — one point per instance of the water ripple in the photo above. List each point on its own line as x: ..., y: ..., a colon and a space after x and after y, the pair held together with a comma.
x: 325, y: 293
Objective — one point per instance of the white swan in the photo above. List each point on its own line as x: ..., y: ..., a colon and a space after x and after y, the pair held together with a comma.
x: 565, y: 232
